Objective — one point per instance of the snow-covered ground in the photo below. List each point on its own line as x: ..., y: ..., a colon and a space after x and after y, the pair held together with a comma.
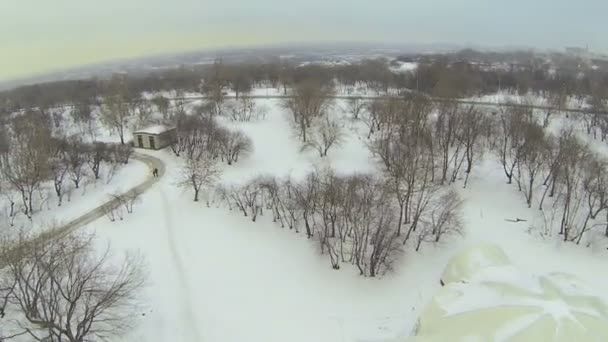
x: 216, y: 276
x: 76, y: 202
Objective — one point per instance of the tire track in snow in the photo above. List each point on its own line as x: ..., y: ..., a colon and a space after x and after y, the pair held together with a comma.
x: 185, y: 298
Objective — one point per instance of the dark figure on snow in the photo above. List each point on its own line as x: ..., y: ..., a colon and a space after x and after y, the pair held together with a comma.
x: 155, y: 172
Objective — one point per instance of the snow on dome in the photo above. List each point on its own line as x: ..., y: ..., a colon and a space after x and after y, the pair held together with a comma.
x: 467, y: 263
x: 503, y: 303
x: 158, y: 129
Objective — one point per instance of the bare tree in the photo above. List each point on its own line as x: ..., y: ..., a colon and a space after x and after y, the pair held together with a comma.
x: 64, y: 291
x: 241, y: 80
x: 511, y: 140
x: 356, y: 105
x: 247, y: 198
x: 556, y: 102
x: 96, y: 153
x: 445, y: 216
x: 371, y: 115
x: 117, y: 108
x: 214, y: 85
x: 198, y: 171
x: 308, y: 101
x: 244, y: 109
x: 595, y: 189
x: 534, y: 156
x: 58, y: 166
x: 571, y: 177
x: 122, y: 153
x: 83, y: 115
x: 77, y: 159
x: 306, y: 196
x: 144, y: 111
x: 234, y: 144
x: 109, y: 210
x: 162, y: 105
x: 27, y: 164
x: 473, y: 126
x: 126, y: 200
x: 326, y: 133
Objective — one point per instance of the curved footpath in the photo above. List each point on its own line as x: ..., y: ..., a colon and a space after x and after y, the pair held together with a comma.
x: 98, y: 212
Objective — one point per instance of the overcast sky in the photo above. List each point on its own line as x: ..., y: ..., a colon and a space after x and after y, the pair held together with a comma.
x: 45, y: 35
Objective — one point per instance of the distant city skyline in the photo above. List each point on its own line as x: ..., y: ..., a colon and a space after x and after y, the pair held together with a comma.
x: 45, y: 36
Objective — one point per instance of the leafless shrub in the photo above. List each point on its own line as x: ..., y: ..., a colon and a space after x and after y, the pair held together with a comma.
x: 122, y: 153
x: 126, y: 200
x: 355, y: 106
x: 234, y: 144
x: 244, y: 109
x: 198, y: 171
x: 326, y: 134
x: 247, y: 198
x: 76, y: 160
x: 112, y: 168
x: 109, y: 210
x: 444, y: 219
x: 309, y: 100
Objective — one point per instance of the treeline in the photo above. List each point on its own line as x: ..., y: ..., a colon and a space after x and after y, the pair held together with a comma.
x: 349, y: 216
x: 444, y: 76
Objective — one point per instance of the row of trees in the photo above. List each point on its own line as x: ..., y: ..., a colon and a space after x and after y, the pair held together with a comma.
x: 410, y: 134
x: 449, y: 76
x: 557, y: 173
x: 32, y: 156
x: 348, y: 216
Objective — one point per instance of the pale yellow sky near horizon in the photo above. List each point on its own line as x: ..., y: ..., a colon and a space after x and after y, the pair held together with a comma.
x: 40, y: 58
x: 41, y: 36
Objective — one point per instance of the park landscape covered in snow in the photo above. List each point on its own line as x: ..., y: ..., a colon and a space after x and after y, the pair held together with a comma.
x: 322, y: 219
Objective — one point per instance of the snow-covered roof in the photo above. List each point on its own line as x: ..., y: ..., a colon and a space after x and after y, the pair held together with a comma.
x: 158, y: 129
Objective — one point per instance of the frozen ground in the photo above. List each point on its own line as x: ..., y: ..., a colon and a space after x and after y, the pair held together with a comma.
x: 216, y: 276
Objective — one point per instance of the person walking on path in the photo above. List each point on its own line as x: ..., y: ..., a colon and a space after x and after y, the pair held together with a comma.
x: 155, y: 172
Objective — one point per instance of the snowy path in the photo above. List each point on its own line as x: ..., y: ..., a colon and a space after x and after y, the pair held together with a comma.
x: 187, y: 314
x: 98, y: 212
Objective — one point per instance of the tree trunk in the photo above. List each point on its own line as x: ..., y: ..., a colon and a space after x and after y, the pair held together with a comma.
x: 400, y: 222
x: 530, y: 191
x: 31, y: 206
x: 580, y: 236
x: 418, y: 245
